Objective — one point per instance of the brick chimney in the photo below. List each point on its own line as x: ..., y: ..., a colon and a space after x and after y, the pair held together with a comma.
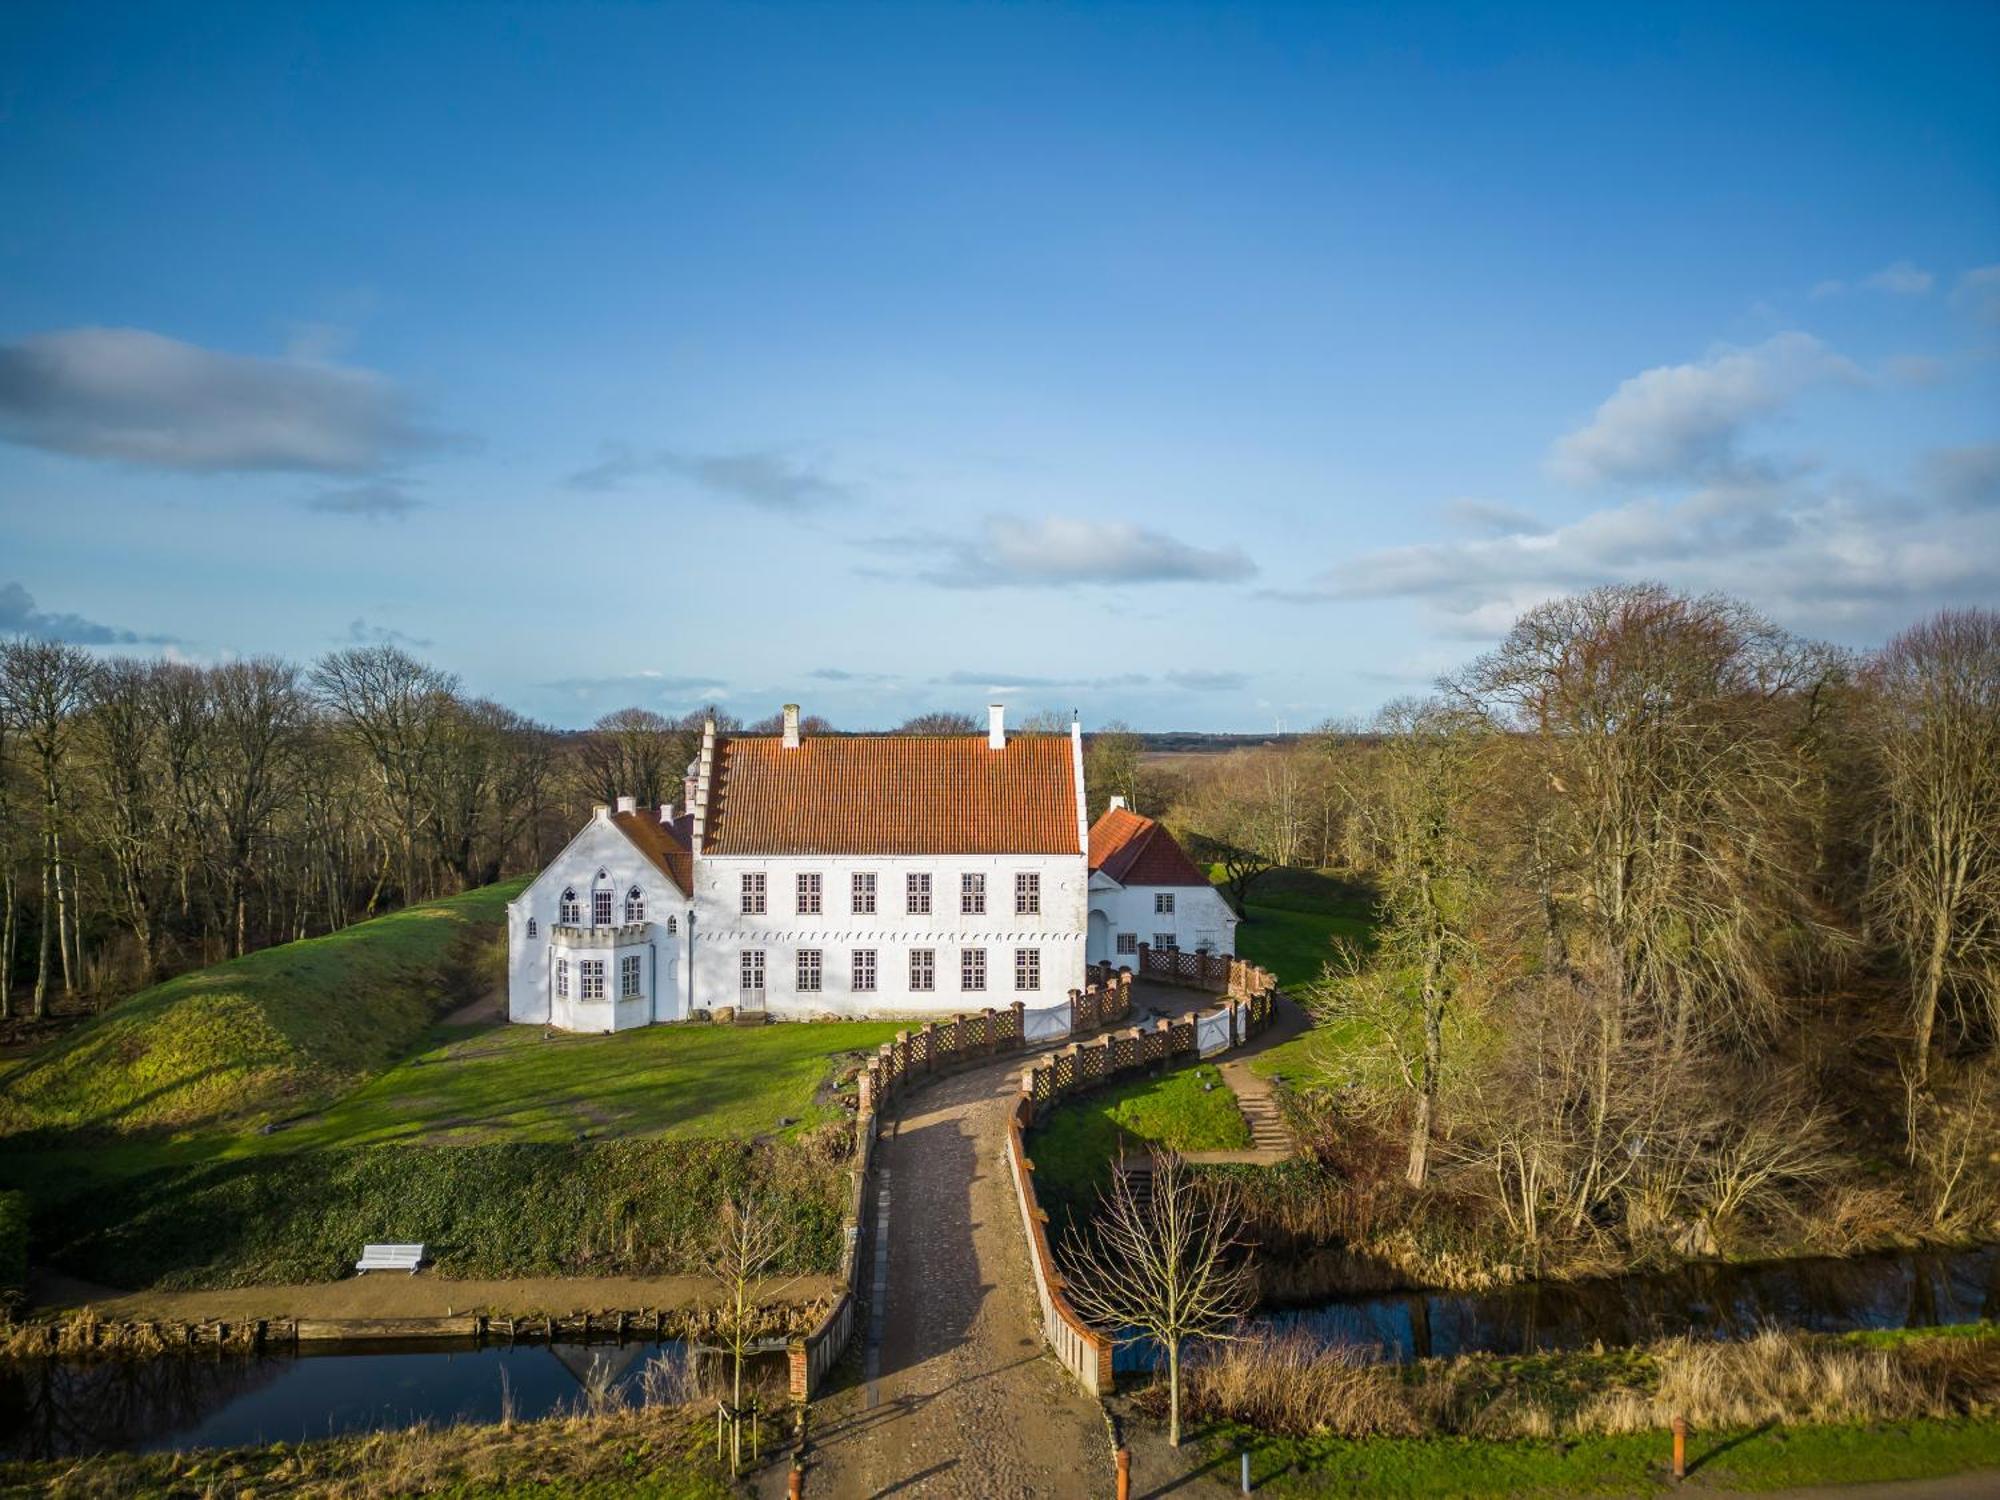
x: 791, y: 726
x: 996, y: 726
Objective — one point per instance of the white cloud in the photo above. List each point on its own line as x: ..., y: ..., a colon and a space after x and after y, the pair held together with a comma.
x: 141, y: 398
x: 18, y: 616
x: 1056, y: 550
x: 1902, y: 279
x: 1684, y: 422
x: 1820, y: 559
x: 765, y: 478
x: 375, y: 500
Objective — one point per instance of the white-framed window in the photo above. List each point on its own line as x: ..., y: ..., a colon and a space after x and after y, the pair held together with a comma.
x: 923, y: 968
x: 809, y: 888
x: 1027, y: 968
x: 864, y: 970
x: 600, y: 906
x: 917, y: 895
x: 562, y: 979
x: 751, y: 967
x: 1163, y: 941
x: 1027, y: 894
x: 1163, y: 903
x: 862, y: 890
x: 628, y: 977
x: 972, y: 968
x: 531, y: 927
x: 972, y: 895
x: 811, y: 969
x: 1128, y: 942
x: 593, y: 979
x: 673, y: 924
x: 635, y: 905
x: 569, y: 911
x: 753, y: 893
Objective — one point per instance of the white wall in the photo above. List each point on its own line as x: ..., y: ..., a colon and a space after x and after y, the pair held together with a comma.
x: 1201, y: 916
x: 530, y: 990
x: 722, y: 932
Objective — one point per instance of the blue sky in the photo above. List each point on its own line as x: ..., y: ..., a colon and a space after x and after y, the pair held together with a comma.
x: 1202, y: 366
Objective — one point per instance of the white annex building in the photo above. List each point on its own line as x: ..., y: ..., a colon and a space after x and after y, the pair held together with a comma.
x: 851, y: 875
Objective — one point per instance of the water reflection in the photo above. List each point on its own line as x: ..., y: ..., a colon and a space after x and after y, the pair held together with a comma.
x: 1900, y: 1290
x: 60, y: 1407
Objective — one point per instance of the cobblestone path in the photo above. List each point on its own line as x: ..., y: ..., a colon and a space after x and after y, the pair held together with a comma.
x: 957, y: 1396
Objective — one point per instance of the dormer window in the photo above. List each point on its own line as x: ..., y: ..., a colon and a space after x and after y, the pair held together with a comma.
x: 569, y: 913
x: 635, y: 905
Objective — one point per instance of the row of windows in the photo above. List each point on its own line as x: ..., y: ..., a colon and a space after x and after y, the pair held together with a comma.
x: 1128, y: 942
x: 590, y: 978
x: 862, y: 967
x: 809, y: 894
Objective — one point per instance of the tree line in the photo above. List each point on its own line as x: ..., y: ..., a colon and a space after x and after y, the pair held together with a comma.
x: 156, y: 815
x: 1678, y: 916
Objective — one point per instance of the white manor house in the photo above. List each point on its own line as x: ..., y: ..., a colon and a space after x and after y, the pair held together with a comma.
x: 854, y: 876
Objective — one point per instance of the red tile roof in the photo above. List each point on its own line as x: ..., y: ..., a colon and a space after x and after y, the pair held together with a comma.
x: 1134, y: 850
x: 893, y: 794
x: 664, y: 844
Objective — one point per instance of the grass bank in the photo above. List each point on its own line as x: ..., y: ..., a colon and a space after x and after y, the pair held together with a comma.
x: 1745, y: 1459
x: 1776, y: 1410
x: 266, y: 1036
x: 655, y: 1453
x: 1190, y: 1109
x: 611, y: 1207
x: 475, y: 1084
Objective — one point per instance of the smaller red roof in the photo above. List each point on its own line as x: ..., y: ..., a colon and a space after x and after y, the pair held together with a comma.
x: 665, y: 844
x: 1134, y: 850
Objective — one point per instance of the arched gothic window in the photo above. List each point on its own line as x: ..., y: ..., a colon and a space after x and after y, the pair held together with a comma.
x: 570, y: 913
x: 673, y: 925
x: 531, y: 927
x: 635, y: 905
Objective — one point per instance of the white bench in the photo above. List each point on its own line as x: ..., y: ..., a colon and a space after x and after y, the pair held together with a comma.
x: 390, y: 1258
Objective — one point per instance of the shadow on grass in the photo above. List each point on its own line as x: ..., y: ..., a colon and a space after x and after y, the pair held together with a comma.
x: 1736, y: 1441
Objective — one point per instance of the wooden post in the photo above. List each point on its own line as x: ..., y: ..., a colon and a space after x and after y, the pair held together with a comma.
x: 1680, y: 1447
x: 797, y: 1488
x: 1124, y: 1472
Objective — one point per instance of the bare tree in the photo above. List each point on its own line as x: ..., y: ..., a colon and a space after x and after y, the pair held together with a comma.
x: 1158, y: 1262
x: 748, y: 1244
x: 43, y: 685
x: 256, y: 714
x: 1935, y: 876
x: 1426, y: 774
x: 939, y: 721
x: 1111, y: 767
x: 393, y: 706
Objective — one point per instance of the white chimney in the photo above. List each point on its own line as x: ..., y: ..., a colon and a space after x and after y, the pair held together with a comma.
x: 791, y: 726
x: 628, y: 804
x: 600, y: 811
x: 666, y: 812
x: 1118, y: 803
x: 996, y: 726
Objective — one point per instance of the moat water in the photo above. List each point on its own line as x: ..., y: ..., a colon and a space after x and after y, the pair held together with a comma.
x: 58, y: 1407
x: 61, y: 1406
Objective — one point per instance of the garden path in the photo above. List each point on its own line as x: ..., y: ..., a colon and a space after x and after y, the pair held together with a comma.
x: 957, y: 1396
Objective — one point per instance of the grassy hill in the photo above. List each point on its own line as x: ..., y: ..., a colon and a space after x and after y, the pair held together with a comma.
x: 262, y: 1037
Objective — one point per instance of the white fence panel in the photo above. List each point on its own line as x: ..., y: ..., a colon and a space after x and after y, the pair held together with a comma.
x: 1051, y: 1024
x: 1212, y: 1033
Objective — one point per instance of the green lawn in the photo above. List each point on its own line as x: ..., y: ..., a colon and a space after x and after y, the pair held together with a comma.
x: 486, y: 1083
x: 1293, y: 919
x: 1763, y: 1459
x: 1191, y: 1109
x: 268, y: 1035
